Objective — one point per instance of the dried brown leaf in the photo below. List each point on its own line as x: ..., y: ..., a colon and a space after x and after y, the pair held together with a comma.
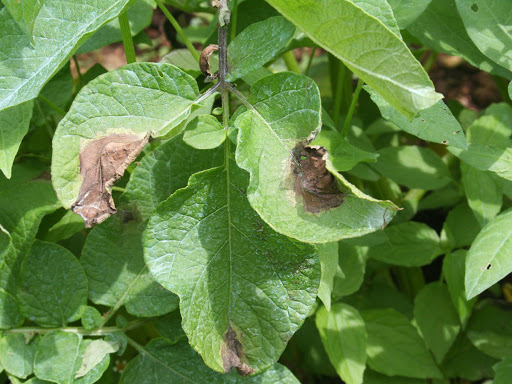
x: 102, y: 163
x: 316, y: 185
x: 233, y: 354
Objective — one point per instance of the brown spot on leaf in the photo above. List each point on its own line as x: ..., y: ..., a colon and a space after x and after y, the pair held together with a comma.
x: 233, y: 354
x: 313, y: 181
x: 102, y: 163
x: 204, y: 62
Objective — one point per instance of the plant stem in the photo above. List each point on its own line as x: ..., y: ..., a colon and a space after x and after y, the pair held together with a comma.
x: 129, y: 50
x: 430, y: 61
x: 291, y: 62
x: 77, y: 330
x: 178, y: 29
x: 77, y: 66
x: 52, y: 105
x: 311, y: 56
x: 352, y: 108
x: 338, y: 94
x: 234, y: 17
x: 118, y: 189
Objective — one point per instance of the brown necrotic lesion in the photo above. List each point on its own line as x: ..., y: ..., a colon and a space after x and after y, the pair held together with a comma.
x: 103, y: 162
x: 313, y: 182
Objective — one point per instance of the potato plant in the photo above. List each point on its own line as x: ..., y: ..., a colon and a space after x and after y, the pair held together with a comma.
x: 279, y: 196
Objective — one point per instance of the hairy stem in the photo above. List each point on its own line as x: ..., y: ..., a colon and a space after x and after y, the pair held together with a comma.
x: 129, y: 50
x: 291, y: 62
x: 178, y: 29
x: 77, y: 330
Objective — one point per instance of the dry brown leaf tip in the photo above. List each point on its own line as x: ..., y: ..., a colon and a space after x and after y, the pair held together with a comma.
x: 233, y: 354
x: 103, y: 162
x: 204, y: 62
x: 316, y: 185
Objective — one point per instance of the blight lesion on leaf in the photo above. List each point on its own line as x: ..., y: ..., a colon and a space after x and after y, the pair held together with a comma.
x: 313, y: 181
x: 103, y: 162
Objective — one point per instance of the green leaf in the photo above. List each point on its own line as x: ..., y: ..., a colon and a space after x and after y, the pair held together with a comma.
x: 493, y: 127
x: 59, y: 357
x: 436, y: 123
x: 490, y: 330
x: 68, y: 26
x: 66, y: 227
x: 484, y: 192
x: 91, y: 318
x: 136, y: 99
x: 467, y: 362
x: 244, y: 290
x: 490, y: 257
x: 440, y: 27
x: 122, y: 278
x: 352, y: 262
x: 413, y: 166
x: 139, y: 17
x: 381, y: 10
x: 372, y: 377
x: 488, y: 25
x: 439, y: 327
x: 23, y: 203
x: 328, y: 254
x: 394, y: 346
x: 456, y: 235
x: 164, y: 171
x: 24, y: 13
x: 367, y: 47
x: 257, y: 44
x: 169, y: 327
x: 164, y: 362
x: 10, y: 315
x: 409, y: 244
x: 183, y: 59
x: 204, y: 132
x: 286, y: 111
x: 406, y: 12
x: 487, y: 158
x: 343, y: 334
x: 503, y: 371
x: 94, y: 354
x: 52, y: 285
x: 14, y: 124
x: 16, y: 355
x: 453, y: 272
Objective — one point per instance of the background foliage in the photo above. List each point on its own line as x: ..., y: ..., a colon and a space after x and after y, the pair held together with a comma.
x: 226, y: 253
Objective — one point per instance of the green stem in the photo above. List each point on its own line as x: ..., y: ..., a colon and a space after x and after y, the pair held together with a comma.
x: 129, y: 49
x: 139, y: 348
x: 336, y: 111
x: 77, y: 330
x: 291, y: 62
x: 430, y: 61
x: 306, y: 72
x: 52, y: 105
x: 233, y: 20
x: 77, y: 66
x: 352, y: 108
x: 178, y: 29
x: 118, y: 189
